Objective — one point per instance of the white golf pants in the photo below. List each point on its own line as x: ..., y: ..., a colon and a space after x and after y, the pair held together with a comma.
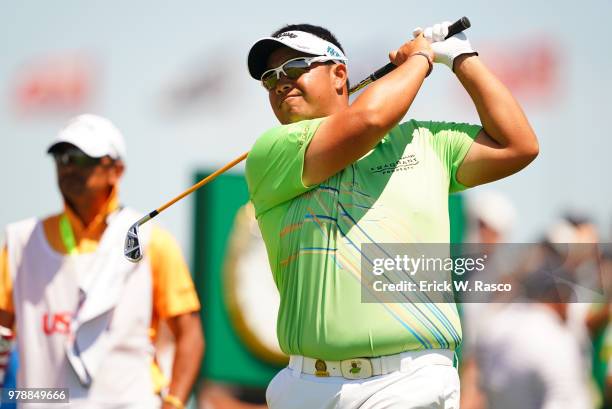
x: 428, y: 387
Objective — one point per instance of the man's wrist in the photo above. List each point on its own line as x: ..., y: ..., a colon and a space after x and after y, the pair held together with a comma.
x: 461, y: 58
x: 428, y: 57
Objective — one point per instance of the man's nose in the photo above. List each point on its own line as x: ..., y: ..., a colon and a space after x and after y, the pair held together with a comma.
x: 283, y: 85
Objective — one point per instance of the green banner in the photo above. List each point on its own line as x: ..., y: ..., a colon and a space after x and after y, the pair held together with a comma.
x: 226, y: 358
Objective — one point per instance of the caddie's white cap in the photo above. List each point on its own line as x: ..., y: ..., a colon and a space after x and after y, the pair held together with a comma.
x: 298, y: 40
x: 94, y: 135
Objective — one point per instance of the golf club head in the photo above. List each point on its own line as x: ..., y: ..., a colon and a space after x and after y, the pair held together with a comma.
x: 131, y: 248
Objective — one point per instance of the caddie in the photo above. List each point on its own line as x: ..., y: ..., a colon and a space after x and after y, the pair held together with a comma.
x: 85, y: 318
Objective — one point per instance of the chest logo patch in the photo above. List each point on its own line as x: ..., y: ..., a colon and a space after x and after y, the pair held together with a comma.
x: 406, y: 162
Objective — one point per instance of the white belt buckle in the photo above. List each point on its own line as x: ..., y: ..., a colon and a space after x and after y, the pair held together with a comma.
x: 357, y: 368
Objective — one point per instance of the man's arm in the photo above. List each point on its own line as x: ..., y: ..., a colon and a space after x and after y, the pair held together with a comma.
x: 346, y: 136
x: 175, y: 300
x: 7, y: 316
x: 507, y: 143
x: 188, y: 354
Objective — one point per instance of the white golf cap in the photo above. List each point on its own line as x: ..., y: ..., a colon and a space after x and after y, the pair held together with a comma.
x: 494, y: 209
x: 298, y: 40
x: 94, y: 135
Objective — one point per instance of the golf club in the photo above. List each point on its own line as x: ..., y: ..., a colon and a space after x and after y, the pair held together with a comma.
x: 132, y: 248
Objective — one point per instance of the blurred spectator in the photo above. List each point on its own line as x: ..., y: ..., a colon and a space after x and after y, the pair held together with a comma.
x: 85, y: 316
x: 530, y: 358
x: 538, y: 354
x: 491, y: 217
x: 589, y: 316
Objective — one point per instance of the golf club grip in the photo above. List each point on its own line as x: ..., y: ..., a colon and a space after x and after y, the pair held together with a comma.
x: 457, y: 27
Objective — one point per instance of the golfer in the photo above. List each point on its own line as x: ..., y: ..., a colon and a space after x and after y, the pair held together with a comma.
x: 335, y: 176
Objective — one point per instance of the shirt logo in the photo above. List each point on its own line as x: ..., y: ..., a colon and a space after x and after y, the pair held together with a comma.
x: 57, y: 323
x: 404, y: 163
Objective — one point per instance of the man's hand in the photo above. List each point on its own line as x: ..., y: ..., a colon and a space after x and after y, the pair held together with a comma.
x: 420, y: 45
x: 445, y: 50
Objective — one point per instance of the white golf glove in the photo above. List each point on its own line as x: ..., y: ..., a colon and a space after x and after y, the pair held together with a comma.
x: 445, y: 50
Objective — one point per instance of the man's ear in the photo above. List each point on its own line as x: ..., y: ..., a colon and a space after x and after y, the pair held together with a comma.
x: 340, y: 73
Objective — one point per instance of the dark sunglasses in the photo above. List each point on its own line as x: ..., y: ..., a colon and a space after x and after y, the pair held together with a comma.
x: 291, y: 69
x: 76, y: 158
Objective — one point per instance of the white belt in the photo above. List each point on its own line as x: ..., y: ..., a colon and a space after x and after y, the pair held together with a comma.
x: 360, y: 368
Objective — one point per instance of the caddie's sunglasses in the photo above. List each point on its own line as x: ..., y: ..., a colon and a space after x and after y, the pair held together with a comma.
x: 75, y: 157
x: 292, y: 69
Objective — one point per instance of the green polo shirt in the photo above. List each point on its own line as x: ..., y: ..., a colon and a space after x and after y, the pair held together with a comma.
x: 397, y: 193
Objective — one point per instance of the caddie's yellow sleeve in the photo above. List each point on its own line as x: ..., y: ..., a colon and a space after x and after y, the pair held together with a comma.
x: 173, y: 290
x: 6, y: 284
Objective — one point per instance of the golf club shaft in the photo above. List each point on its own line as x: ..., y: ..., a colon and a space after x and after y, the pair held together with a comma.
x: 457, y: 27
x: 195, y: 187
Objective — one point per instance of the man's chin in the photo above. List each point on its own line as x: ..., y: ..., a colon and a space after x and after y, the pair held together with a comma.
x: 291, y: 117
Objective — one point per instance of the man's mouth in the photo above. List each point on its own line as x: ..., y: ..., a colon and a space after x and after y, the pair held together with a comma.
x: 286, y: 97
